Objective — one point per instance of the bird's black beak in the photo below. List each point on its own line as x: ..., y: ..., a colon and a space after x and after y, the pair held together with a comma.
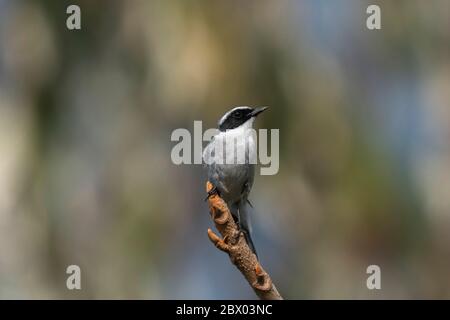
x: 257, y: 111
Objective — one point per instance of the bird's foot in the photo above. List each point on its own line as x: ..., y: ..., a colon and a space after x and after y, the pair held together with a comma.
x: 212, y: 192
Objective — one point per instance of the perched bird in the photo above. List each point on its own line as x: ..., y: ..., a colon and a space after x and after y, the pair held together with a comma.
x: 230, y: 160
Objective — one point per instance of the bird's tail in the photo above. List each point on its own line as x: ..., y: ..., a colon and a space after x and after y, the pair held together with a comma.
x: 245, y: 224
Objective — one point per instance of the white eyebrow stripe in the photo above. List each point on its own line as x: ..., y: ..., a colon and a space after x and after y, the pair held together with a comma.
x: 226, y: 114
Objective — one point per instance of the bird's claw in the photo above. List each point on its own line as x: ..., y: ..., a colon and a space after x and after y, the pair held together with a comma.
x: 212, y: 192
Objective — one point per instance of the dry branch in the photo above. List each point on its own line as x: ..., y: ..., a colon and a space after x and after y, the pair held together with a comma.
x: 233, y: 243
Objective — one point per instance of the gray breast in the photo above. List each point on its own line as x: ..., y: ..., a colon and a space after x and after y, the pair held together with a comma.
x: 233, y: 181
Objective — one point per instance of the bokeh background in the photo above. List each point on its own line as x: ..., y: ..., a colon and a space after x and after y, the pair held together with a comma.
x: 86, y: 116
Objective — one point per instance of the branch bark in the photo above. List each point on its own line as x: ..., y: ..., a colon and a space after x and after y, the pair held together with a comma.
x: 233, y: 242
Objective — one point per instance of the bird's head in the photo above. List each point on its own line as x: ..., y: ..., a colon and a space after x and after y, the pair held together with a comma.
x: 238, y: 116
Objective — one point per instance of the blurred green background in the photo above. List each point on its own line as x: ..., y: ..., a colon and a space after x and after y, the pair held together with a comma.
x: 86, y: 117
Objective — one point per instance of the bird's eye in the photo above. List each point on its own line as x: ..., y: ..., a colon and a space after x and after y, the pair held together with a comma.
x: 238, y: 114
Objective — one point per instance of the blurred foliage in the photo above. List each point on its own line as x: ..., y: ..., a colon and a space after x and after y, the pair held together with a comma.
x: 85, y: 123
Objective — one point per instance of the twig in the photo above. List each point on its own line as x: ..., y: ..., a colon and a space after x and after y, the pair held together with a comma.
x: 233, y: 243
